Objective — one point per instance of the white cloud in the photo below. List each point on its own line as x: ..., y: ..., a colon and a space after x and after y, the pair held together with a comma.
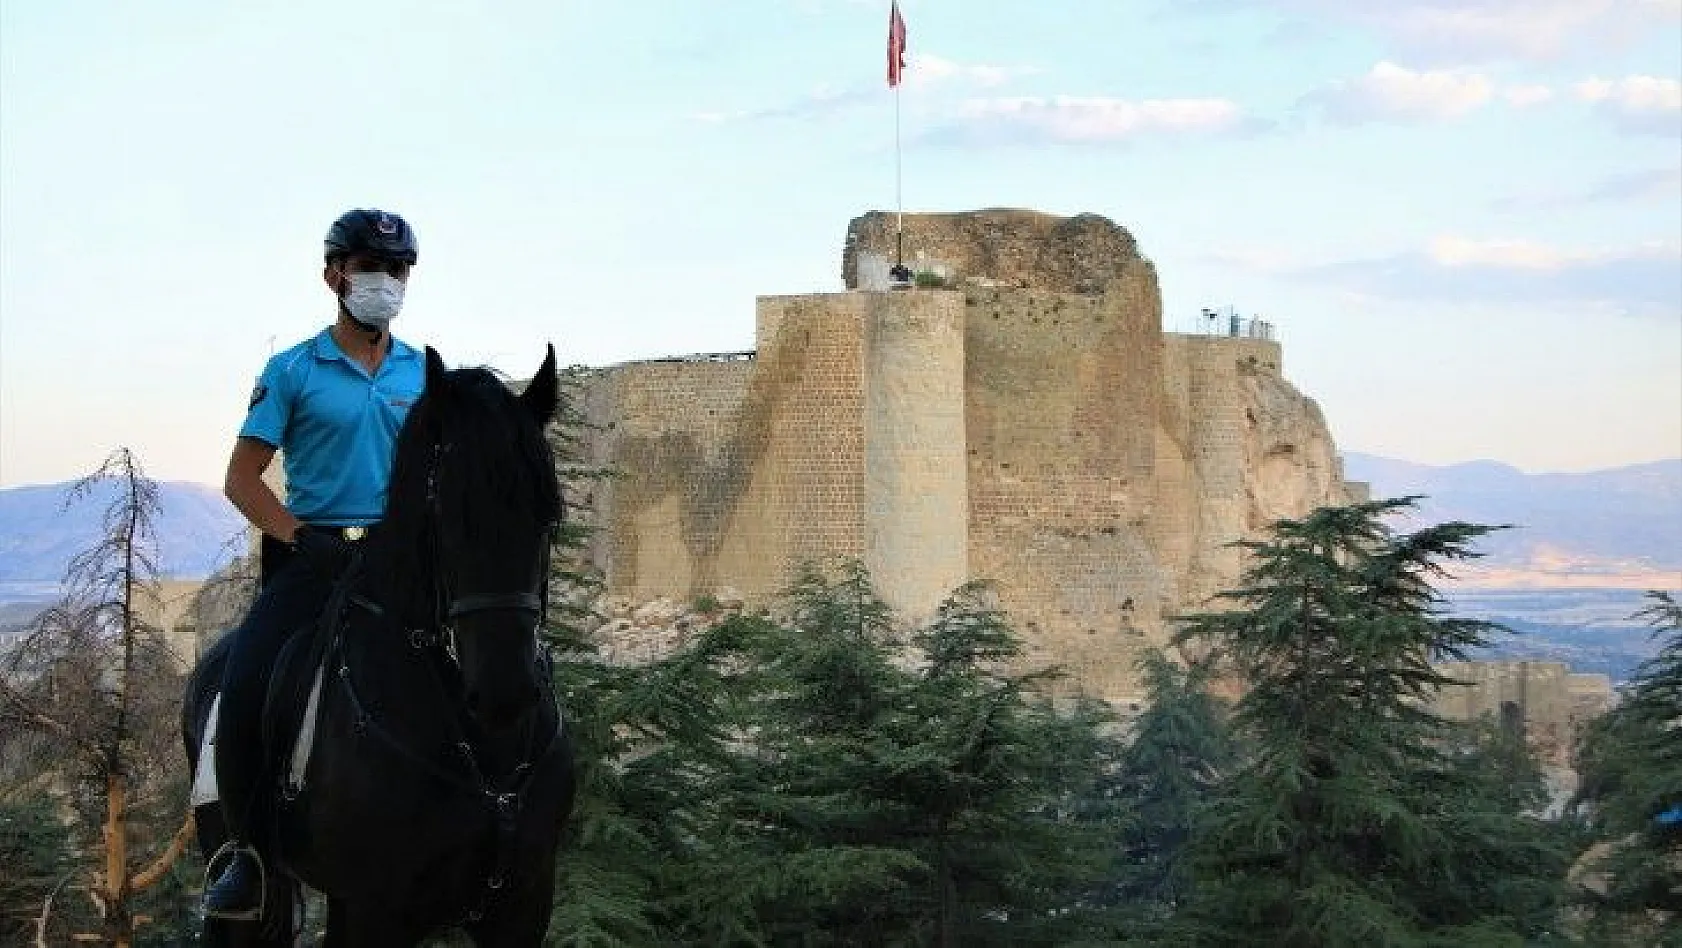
x: 1638, y: 104
x: 1643, y: 279
x: 1091, y: 119
x: 1480, y: 31
x: 819, y: 102
x: 1523, y: 96
x: 1652, y: 184
x: 929, y: 70
x: 1395, y: 93
x: 924, y: 71
x: 1509, y: 254
x: 1638, y: 279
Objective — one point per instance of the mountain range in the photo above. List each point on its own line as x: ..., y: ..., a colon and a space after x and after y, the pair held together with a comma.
x: 42, y: 528
x: 1567, y: 577
x: 1615, y: 528
x: 1620, y: 527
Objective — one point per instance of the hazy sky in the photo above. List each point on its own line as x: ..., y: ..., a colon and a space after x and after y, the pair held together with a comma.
x: 1463, y: 216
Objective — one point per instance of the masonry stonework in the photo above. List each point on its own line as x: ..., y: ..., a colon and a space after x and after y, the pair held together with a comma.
x: 916, y: 483
x: 1033, y: 426
x: 1546, y: 697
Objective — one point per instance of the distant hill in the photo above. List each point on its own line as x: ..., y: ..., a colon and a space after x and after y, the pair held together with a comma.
x: 1621, y: 526
x: 198, y: 530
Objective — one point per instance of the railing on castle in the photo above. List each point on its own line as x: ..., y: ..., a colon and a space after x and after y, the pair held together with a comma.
x: 741, y: 356
x: 1225, y: 322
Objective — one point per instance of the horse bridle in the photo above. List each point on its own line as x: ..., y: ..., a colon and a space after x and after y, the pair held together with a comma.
x: 505, y: 801
x: 446, y: 607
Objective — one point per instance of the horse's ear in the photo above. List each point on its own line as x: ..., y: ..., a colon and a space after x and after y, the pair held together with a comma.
x: 434, y: 369
x: 541, y: 395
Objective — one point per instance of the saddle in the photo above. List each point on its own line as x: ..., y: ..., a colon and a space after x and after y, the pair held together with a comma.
x: 290, y: 706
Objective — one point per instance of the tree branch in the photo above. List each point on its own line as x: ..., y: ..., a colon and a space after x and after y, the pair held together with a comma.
x: 27, y: 711
x: 46, y: 913
x: 147, y: 877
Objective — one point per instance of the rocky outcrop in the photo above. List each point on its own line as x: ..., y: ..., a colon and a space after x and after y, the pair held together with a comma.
x: 631, y: 632
x: 1016, y: 248
x: 221, y: 603
x: 1291, y: 462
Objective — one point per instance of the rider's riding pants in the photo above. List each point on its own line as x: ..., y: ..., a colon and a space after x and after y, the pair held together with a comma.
x: 290, y: 598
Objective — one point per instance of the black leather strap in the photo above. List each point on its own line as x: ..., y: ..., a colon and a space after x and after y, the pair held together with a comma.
x: 486, y: 601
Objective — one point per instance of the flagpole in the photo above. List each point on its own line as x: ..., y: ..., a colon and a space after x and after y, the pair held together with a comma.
x: 896, y: 63
x: 899, y: 192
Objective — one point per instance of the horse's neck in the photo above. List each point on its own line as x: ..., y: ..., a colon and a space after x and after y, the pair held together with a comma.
x: 420, y: 688
x: 392, y: 675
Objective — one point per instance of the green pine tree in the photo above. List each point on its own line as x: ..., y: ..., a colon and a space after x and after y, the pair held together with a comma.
x: 1630, y: 762
x: 901, y: 790
x: 1503, y: 866
x: 1344, y: 823
x: 37, y: 853
x: 1001, y: 783
x: 1180, y: 751
x: 817, y: 851
x: 651, y: 749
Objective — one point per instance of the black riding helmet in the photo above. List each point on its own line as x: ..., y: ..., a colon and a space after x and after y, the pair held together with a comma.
x: 372, y: 233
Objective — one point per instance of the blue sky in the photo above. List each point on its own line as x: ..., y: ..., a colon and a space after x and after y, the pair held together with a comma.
x: 1464, y: 217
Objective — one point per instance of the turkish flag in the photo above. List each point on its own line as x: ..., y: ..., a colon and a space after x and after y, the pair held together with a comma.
x: 896, y: 45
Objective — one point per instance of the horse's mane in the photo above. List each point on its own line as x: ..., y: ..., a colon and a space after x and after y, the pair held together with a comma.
x: 496, y: 475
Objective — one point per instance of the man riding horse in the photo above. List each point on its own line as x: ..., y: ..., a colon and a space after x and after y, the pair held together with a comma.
x: 333, y: 405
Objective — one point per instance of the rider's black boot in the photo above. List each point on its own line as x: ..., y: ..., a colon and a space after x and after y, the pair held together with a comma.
x: 238, y: 893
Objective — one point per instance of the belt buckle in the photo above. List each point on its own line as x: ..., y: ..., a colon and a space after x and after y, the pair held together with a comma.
x: 355, y: 533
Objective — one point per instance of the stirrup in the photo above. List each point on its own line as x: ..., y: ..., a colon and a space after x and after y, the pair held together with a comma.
x: 228, y: 849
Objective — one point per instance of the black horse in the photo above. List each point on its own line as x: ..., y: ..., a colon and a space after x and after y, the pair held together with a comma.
x: 441, y: 773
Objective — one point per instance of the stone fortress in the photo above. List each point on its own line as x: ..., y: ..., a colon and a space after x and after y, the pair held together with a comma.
x: 1027, y: 421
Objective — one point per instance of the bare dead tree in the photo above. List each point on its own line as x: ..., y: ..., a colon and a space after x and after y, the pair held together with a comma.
x: 90, y: 693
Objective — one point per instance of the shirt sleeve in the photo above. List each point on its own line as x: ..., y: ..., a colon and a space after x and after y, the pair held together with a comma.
x: 271, y: 406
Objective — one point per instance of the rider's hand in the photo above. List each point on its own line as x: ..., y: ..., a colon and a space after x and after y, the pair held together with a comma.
x: 327, y: 553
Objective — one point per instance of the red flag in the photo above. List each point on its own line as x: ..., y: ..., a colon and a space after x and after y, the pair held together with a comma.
x: 896, y: 45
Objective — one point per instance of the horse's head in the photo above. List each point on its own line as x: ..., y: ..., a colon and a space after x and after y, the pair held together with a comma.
x: 477, y: 498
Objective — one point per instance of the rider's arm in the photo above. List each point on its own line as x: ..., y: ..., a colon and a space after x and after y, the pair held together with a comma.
x: 245, y: 487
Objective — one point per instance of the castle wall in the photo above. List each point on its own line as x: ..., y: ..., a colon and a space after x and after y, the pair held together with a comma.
x: 1207, y: 425
x: 675, y: 429
x: 1056, y: 444
x: 1062, y: 394
x: 811, y: 355
x: 1173, y: 519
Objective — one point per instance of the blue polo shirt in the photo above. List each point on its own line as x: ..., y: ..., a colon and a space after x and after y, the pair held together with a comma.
x: 335, y: 425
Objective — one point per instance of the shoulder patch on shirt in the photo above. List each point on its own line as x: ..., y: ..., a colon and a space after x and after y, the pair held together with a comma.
x: 257, y: 395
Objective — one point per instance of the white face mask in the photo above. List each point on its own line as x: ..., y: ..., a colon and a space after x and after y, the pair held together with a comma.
x: 373, y: 298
